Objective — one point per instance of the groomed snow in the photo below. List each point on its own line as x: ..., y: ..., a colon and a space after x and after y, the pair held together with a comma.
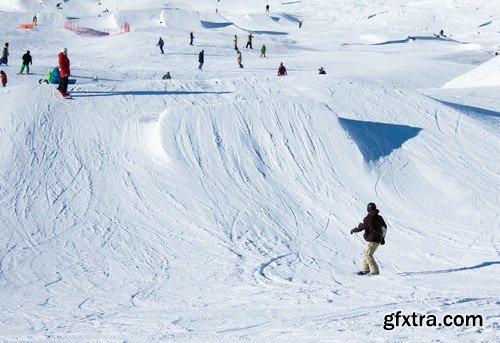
x: 217, y: 206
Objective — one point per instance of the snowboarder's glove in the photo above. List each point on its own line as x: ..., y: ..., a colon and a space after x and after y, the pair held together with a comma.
x: 352, y: 231
x: 383, y: 242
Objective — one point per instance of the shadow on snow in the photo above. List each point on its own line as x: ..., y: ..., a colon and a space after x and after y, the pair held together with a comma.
x: 84, y: 94
x: 452, y: 270
x: 376, y: 140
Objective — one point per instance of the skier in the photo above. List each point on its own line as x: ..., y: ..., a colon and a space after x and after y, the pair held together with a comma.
x: 201, y: 59
x: 239, y: 59
x: 4, y: 78
x: 160, y: 44
x: 375, y: 229
x: 235, y: 41
x: 26, y: 62
x: 64, y: 71
x: 282, y: 70
x: 267, y: 8
x: 191, y: 37
x: 322, y: 71
x: 35, y: 20
x: 263, y: 51
x: 5, y: 55
x: 249, y: 43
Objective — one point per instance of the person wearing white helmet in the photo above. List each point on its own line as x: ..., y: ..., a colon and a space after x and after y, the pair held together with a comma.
x: 64, y: 71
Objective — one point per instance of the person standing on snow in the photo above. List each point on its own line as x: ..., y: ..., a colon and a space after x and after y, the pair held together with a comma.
x: 263, y: 51
x: 201, y: 59
x: 375, y: 229
x: 26, y: 62
x: 239, y: 58
x: 64, y: 71
x: 5, y: 55
x: 249, y: 43
x: 282, y: 70
x: 235, y: 41
x: 4, y: 78
x: 160, y: 44
x: 191, y: 37
x: 267, y: 8
x: 35, y: 20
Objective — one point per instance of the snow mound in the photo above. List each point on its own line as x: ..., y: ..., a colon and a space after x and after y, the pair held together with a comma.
x: 486, y: 75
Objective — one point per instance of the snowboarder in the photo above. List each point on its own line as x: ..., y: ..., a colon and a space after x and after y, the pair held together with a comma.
x: 35, y: 20
x: 239, y: 59
x: 235, y: 41
x: 26, y: 62
x: 4, y: 78
x: 58, y: 6
x: 201, y: 59
x: 375, y: 229
x: 267, y: 8
x: 191, y: 37
x: 160, y: 44
x: 300, y: 24
x: 167, y: 76
x: 263, y: 51
x: 249, y: 43
x: 282, y: 70
x: 5, y: 55
x: 441, y: 33
x: 64, y: 71
x: 322, y: 71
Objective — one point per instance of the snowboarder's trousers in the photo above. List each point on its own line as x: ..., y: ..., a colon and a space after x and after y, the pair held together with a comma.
x: 368, y: 260
x: 25, y: 66
x: 63, y: 85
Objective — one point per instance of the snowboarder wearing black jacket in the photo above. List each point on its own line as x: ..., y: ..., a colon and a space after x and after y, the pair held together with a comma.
x: 26, y: 63
x: 375, y: 229
x: 160, y: 44
x: 249, y: 42
x: 201, y: 59
x: 5, y: 55
x: 191, y: 37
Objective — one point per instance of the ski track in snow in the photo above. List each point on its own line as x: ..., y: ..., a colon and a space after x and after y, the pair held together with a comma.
x: 217, y: 206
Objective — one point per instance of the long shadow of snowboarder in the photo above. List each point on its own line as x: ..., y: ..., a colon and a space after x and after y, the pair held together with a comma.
x: 452, y: 270
x: 87, y: 94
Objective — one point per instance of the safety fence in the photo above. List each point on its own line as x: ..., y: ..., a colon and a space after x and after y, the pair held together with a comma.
x: 86, y: 31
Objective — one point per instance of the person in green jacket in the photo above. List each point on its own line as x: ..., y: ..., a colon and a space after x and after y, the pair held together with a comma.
x: 263, y: 51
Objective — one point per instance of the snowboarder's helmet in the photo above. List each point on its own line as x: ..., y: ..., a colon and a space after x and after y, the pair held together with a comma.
x: 371, y: 206
x: 64, y: 50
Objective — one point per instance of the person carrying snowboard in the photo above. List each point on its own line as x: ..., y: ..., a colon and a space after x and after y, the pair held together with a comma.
x: 375, y: 229
x: 26, y: 63
x: 262, y: 51
x: 64, y: 71
x: 282, y: 70
x: 5, y: 55
x: 249, y: 43
x: 4, y: 78
x: 191, y: 38
x: 201, y: 59
x: 239, y: 59
x: 160, y: 44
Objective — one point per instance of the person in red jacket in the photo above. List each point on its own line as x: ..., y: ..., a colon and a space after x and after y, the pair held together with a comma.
x: 282, y: 70
x: 64, y: 71
x: 375, y: 229
x: 4, y: 78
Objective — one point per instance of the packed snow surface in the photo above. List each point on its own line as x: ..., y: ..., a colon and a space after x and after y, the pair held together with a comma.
x: 217, y: 206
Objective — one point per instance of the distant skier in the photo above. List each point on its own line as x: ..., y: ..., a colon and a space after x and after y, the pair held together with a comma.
x: 5, y: 55
x: 26, y: 63
x: 282, y: 70
x: 201, y: 59
x: 322, y: 71
x: 267, y: 8
x: 191, y: 38
x: 249, y: 43
x: 160, y: 44
x: 64, y: 71
x: 263, y: 51
x: 35, y: 20
x: 58, y: 6
x: 235, y: 42
x: 375, y: 229
x: 4, y: 78
x: 239, y: 58
x: 300, y: 24
x: 441, y: 33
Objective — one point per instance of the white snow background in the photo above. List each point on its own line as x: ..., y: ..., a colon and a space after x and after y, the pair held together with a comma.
x: 216, y: 207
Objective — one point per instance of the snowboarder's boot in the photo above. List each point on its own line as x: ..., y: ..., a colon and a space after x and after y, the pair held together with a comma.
x: 363, y: 272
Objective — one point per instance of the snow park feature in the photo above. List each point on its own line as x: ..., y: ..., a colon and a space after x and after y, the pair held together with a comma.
x: 218, y: 205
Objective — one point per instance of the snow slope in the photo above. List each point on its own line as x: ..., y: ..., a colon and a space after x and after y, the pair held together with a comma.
x: 217, y: 206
